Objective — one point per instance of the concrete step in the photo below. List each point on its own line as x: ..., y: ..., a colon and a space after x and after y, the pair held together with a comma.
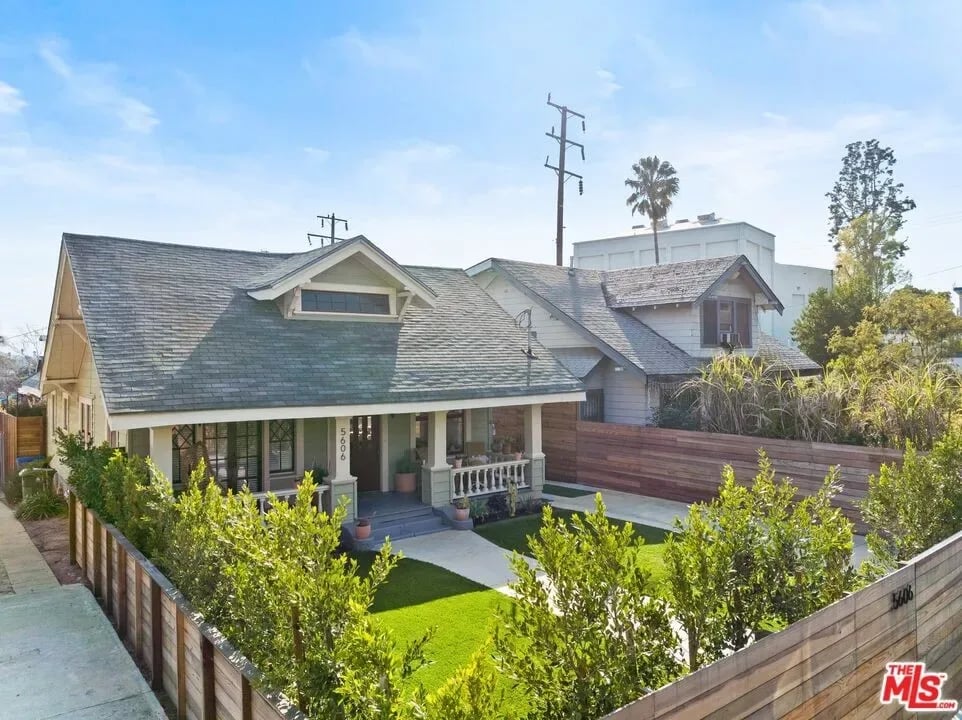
x: 397, y: 528
x: 382, y: 516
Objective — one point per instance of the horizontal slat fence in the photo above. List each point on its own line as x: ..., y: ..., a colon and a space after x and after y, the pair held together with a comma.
x: 558, y: 433
x: 31, y: 436
x: 830, y: 665
x: 202, y: 673
x: 685, y: 465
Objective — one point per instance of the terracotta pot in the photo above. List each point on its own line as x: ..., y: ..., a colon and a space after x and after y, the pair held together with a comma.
x: 461, y: 513
x: 405, y: 482
x: 457, y: 462
x: 519, y: 456
x: 362, y: 532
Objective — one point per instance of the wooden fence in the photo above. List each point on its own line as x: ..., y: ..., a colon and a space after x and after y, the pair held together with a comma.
x: 831, y: 663
x: 558, y: 422
x: 685, y: 465
x: 202, y: 673
x: 21, y: 437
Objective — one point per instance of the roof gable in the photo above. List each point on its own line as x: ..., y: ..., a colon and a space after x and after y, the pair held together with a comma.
x: 690, y: 281
x: 295, y: 270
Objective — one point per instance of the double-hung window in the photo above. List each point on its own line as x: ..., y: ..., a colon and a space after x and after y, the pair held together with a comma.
x: 86, y: 419
x: 726, y: 322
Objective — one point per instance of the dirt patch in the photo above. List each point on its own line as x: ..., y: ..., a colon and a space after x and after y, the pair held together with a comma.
x: 51, y: 538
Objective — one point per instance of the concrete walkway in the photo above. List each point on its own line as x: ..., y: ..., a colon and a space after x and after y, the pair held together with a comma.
x: 59, y: 655
x: 465, y: 553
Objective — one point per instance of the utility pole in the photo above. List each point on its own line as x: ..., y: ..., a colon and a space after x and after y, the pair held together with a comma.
x: 563, y: 174
x: 334, y: 220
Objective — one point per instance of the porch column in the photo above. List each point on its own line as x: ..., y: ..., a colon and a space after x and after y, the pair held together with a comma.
x: 343, y: 484
x: 532, y: 447
x: 299, y: 448
x: 161, y: 441
x: 436, y: 473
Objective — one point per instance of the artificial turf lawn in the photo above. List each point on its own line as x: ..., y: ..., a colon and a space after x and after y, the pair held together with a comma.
x: 418, y: 596
x: 512, y: 534
x: 562, y: 491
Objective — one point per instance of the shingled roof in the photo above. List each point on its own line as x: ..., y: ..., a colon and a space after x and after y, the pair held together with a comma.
x: 578, y: 294
x: 679, y: 282
x: 172, y: 328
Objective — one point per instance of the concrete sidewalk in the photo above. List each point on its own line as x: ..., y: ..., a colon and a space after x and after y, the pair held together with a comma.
x: 59, y: 655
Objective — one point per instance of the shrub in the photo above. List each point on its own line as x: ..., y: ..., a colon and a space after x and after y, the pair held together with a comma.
x: 45, y: 503
x: 86, y: 463
x: 592, y: 637
x: 753, y: 558
x: 915, y: 504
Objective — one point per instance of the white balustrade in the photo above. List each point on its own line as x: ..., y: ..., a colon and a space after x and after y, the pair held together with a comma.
x: 263, y: 498
x: 474, y: 480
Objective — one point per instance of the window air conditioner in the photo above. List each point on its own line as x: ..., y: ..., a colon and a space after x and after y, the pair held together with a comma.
x: 730, y: 338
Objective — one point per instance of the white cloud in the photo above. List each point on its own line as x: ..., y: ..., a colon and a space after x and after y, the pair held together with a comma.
x: 94, y: 85
x: 378, y: 52
x: 609, y: 85
x: 318, y: 154
x: 847, y: 19
x: 11, y: 101
x: 668, y: 71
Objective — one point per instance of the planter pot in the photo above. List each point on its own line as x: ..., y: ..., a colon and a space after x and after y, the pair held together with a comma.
x: 519, y: 456
x: 458, y: 462
x: 362, y: 532
x: 461, y: 513
x: 405, y: 482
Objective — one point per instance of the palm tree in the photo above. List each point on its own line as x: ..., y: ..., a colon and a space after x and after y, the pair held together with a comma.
x: 652, y: 188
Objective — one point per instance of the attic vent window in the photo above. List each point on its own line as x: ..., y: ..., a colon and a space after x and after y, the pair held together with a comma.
x: 345, y: 302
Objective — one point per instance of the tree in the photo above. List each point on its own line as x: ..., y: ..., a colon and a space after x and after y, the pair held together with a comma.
x: 839, y: 308
x: 754, y: 557
x: 924, y: 319
x: 914, y: 504
x: 592, y: 635
x: 866, y: 186
x: 868, y: 254
x: 652, y: 189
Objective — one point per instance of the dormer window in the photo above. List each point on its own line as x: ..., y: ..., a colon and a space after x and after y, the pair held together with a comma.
x: 327, y: 301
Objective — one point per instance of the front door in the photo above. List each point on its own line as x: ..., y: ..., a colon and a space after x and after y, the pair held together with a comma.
x: 366, y: 452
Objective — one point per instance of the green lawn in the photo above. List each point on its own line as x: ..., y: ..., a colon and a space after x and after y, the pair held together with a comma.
x: 562, y: 491
x: 513, y: 534
x: 418, y: 596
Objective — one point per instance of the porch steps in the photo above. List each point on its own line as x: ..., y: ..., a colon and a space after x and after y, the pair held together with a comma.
x: 400, y: 523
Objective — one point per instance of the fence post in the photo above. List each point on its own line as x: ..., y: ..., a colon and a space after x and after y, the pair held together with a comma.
x: 83, y: 539
x: 139, y: 608
x: 181, y: 668
x: 109, y: 553
x: 207, y: 677
x: 156, y: 638
x: 122, y: 598
x: 247, y: 710
x: 98, y: 564
x: 72, y: 524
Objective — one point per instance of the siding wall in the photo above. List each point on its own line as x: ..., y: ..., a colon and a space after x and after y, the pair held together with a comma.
x: 626, y: 397
x: 552, y: 333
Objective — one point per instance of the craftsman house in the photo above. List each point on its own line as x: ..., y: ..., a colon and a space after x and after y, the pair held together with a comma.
x: 632, y: 335
x: 337, y: 359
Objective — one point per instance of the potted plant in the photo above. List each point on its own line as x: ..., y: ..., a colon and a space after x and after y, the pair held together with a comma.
x: 405, y: 479
x: 458, y: 461
x: 362, y: 528
x: 461, y: 507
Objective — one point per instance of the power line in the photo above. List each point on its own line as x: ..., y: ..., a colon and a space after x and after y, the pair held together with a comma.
x: 563, y: 175
x: 939, y: 272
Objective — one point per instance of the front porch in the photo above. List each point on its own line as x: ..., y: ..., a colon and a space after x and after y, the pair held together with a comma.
x: 452, y: 453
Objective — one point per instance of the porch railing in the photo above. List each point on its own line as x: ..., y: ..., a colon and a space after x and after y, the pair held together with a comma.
x: 285, y: 496
x: 474, y: 480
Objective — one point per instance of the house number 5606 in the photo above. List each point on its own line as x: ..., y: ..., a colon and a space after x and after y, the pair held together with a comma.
x: 343, y: 443
x: 902, y: 596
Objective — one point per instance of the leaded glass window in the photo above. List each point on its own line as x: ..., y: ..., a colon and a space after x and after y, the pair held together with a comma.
x: 282, y: 446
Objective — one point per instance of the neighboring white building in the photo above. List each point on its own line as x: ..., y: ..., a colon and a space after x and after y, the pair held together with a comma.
x: 709, y: 237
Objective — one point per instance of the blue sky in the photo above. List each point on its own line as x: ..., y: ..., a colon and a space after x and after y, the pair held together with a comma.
x: 234, y: 124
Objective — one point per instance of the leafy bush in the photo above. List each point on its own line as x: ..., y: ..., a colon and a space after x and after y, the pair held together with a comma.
x: 86, y: 463
x: 592, y: 638
x: 913, y: 505
x: 753, y: 558
x: 45, y: 503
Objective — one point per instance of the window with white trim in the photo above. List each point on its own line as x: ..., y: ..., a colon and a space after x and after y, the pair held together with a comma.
x: 65, y: 420
x: 86, y: 419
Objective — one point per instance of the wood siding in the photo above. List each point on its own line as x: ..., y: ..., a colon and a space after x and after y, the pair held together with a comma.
x: 22, y: 437
x: 202, y: 673
x: 686, y: 466
x: 552, y: 332
x: 830, y: 665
